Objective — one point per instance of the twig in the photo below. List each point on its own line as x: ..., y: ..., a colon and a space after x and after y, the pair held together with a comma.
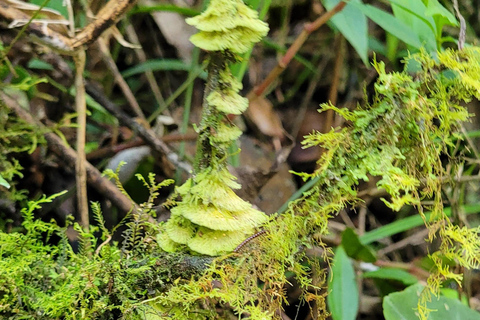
x: 113, y: 149
x: 107, y: 58
x: 296, y: 45
x: 97, y: 252
x: 105, y: 18
x: 414, y: 239
x: 80, y: 170
x: 162, y: 151
x: 142, y: 57
x: 463, y: 26
x: 362, y: 214
x: 69, y: 156
x: 409, y: 267
x: 333, y: 93
x: 127, y: 92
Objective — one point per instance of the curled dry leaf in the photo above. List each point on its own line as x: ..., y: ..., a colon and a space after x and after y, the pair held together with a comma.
x: 263, y: 118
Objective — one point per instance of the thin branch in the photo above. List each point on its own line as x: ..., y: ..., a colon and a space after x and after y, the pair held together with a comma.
x: 80, y: 170
x: 105, y: 18
x: 463, y: 26
x: 69, y: 157
x: 163, y: 152
x: 110, y: 150
x: 142, y: 57
x: 97, y: 252
x: 127, y: 92
x: 296, y: 45
x: 333, y: 92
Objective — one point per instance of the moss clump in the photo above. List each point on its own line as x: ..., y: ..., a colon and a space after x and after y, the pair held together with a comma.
x: 211, y: 219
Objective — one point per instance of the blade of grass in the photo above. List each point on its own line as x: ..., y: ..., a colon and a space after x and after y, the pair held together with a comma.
x: 164, y: 7
x: 298, y: 194
x: 187, y: 108
x: 408, y: 223
x: 159, y: 65
x: 196, y: 73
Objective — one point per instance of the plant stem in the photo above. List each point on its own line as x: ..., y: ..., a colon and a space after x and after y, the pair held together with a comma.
x: 80, y: 169
x: 205, y: 152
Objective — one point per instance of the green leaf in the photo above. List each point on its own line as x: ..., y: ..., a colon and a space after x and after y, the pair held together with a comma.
x: 402, y: 305
x: 164, y: 7
x: 392, y: 274
x: 4, y: 183
x: 390, y: 23
x: 412, y: 13
x: 355, y: 249
x: 157, y: 65
x: 343, y: 293
x: 39, y: 64
x: 57, y: 5
x: 440, y: 15
x: 407, y: 224
x: 352, y: 23
x: 435, y: 8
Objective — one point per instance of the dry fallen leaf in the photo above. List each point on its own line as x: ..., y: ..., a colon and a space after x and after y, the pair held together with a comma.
x: 263, y: 118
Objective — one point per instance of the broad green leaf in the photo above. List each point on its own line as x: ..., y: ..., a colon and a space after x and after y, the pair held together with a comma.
x: 352, y: 23
x: 343, y: 293
x: 442, y: 17
x: 355, y: 249
x: 412, y: 13
x: 440, y: 14
x: 392, y: 274
x: 453, y: 294
x: 4, y: 183
x: 402, y: 305
x: 390, y: 24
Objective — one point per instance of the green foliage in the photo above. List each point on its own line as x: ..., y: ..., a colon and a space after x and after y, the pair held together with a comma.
x: 343, y: 292
x: 419, y: 24
x: 16, y: 136
x: 410, y: 115
x: 211, y: 219
x: 402, y: 305
x: 44, y: 277
x: 355, y: 249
